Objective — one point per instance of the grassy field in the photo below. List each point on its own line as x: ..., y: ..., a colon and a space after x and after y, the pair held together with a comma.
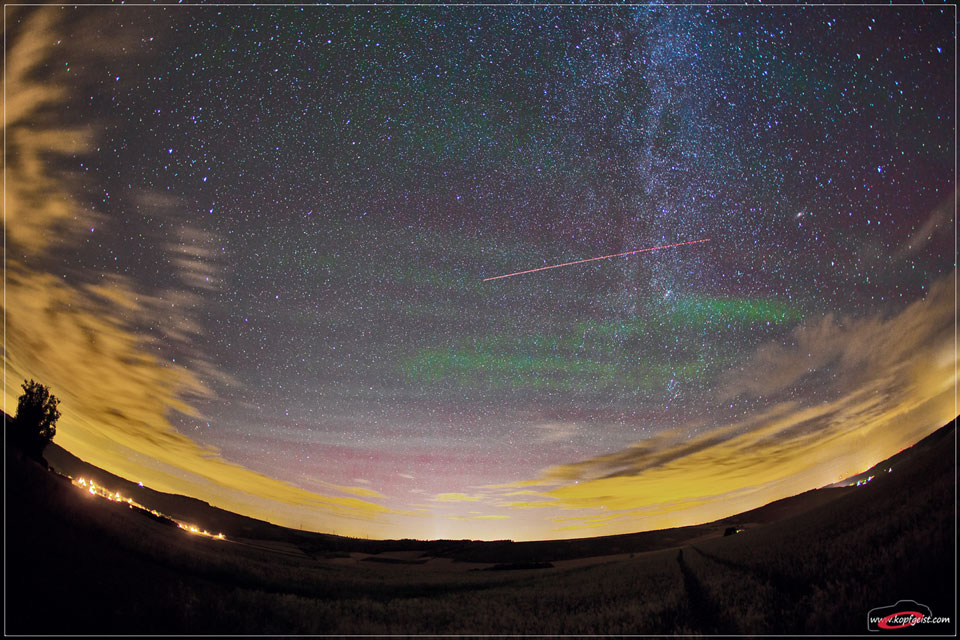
x: 77, y: 564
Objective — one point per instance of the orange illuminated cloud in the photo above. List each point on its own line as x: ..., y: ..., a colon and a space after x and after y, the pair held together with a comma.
x: 897, y: 380
x: 36, y: 200
x: 80, y: 338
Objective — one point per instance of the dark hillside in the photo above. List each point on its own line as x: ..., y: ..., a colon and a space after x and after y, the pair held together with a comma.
x: 505, y: 551
x: 79, y: 564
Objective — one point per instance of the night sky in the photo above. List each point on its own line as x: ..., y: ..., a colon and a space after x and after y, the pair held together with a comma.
x: 246, y: 247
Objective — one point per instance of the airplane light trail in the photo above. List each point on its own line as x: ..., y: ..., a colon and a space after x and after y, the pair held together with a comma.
x: 614, y: 255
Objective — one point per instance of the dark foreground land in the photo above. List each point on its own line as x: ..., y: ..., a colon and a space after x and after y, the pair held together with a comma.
x: 813, y: 564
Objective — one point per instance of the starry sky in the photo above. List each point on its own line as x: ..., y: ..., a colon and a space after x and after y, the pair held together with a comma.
x: 246, y: 246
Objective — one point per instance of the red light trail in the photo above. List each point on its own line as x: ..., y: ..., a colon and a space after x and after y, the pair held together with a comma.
x: 613, y: 255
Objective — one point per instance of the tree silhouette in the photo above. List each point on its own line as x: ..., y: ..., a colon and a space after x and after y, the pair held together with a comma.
x: 35, y: 423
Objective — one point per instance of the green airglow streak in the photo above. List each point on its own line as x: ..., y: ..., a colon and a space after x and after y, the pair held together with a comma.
x: 591, y: 355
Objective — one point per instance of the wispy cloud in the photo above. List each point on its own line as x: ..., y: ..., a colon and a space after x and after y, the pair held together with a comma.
x: 83, y: 339
x: 116, y: 396
x: 938, y: 223
x: 556, y: 431
x: 852, y: 351
x: 456, y: 497
x: 37, y: 198
x: 892, y: 381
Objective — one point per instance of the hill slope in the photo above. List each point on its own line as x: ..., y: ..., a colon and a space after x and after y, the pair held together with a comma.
x: 238, y: 526
x: 76, y: 564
